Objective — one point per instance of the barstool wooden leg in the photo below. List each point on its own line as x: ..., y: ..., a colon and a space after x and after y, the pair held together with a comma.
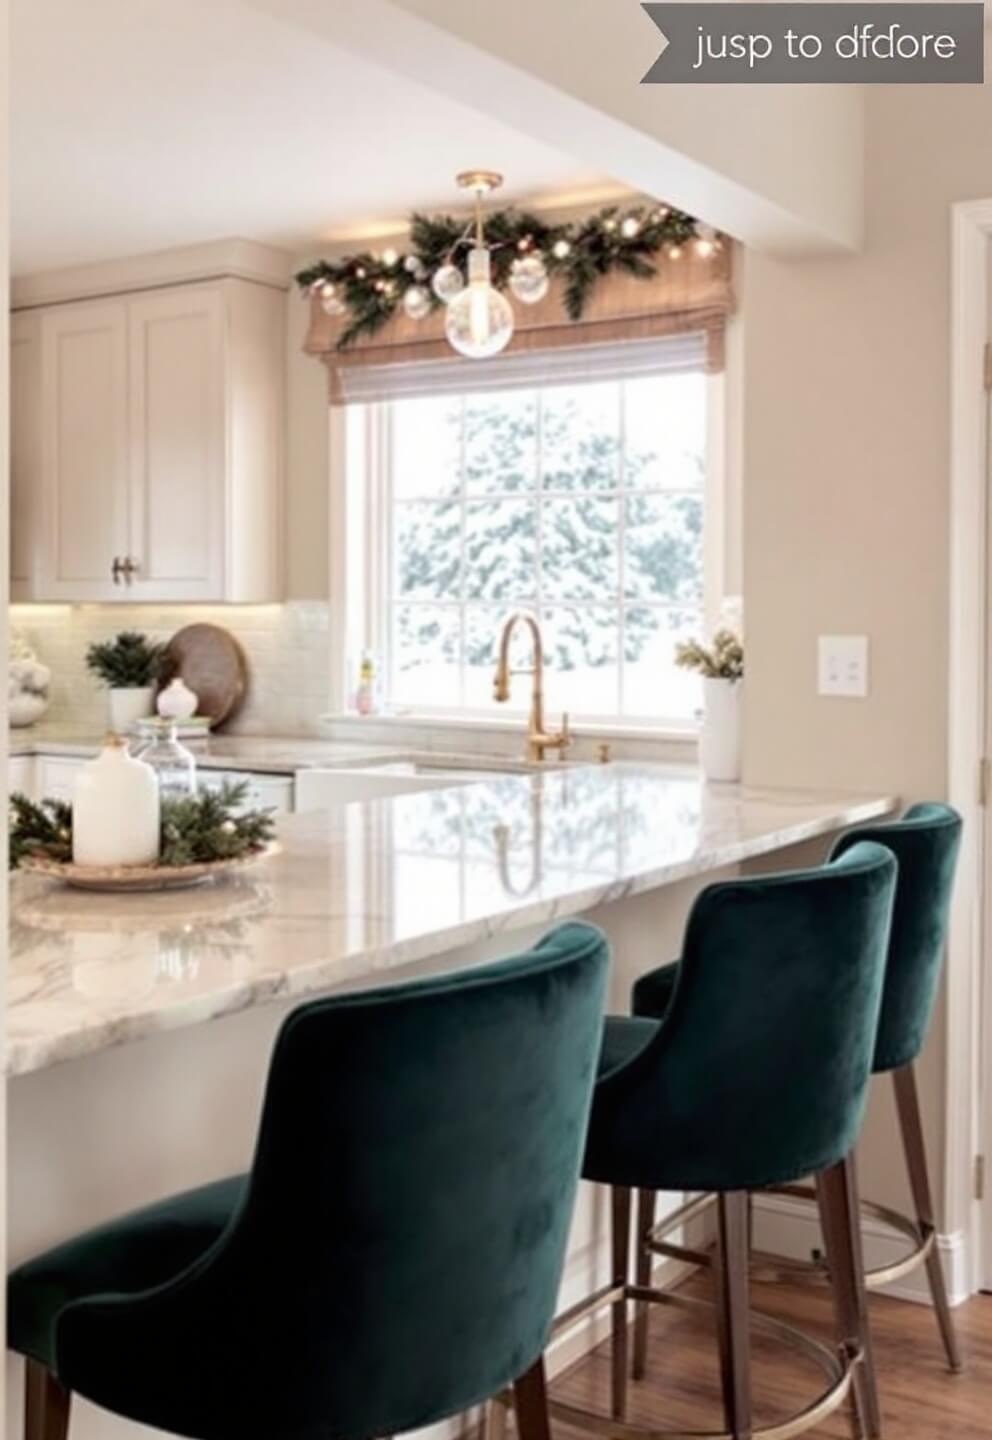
x: 908, y: 1106
x: 645, y: 1224
x: 46, y: 1404
x: 837, y: 1194
x: 620, y: 1230
x: 730, y: 1272
x: 493, y: 1425
x: 530, y: 1402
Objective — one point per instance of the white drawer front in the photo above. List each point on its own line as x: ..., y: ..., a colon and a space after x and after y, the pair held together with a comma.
x: 21, y: 775
x: 268, y: 792
x: 56, y: 778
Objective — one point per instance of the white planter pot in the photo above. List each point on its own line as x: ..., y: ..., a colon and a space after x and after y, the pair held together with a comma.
x: 127, y: 706
x: 720, y: 732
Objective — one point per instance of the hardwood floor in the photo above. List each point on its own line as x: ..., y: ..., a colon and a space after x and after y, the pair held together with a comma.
x: 921, y: 1400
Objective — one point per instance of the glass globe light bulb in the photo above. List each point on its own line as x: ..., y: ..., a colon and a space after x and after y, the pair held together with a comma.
x: 479, y: 319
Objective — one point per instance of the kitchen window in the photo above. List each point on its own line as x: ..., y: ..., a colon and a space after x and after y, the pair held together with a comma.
x: 586, y: 502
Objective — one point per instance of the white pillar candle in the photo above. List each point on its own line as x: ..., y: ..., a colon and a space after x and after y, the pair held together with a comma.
x: 115, y: 813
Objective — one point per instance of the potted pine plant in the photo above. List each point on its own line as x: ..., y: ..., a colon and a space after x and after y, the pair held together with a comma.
x: 129, y: 666
x: 721, y: 664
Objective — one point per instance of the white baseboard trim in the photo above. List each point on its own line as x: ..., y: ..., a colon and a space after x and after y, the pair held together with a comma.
x: 787, y: 1226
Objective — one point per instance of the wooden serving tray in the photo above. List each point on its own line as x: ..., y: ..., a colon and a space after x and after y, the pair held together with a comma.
x: 121, y: 879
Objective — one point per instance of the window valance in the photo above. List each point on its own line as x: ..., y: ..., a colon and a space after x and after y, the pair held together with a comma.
x: 692, y: 296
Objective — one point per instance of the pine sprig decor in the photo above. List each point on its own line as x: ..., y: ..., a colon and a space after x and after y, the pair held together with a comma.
x: 369, y: 287
x: 206, y: 826
x: 129, y: 661
x: 196, y: 830
x: 721, y: 660
x: 44, y: 829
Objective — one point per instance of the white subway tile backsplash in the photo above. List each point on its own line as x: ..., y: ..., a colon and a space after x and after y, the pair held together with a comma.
x: 287, y: 648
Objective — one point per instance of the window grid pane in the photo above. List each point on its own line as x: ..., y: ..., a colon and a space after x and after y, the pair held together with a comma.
x: 556, y: 505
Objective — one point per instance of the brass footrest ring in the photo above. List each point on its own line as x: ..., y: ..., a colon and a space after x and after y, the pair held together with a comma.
x: 838, y: 1366
x: 768, y: 1267
x: 922, y: 1241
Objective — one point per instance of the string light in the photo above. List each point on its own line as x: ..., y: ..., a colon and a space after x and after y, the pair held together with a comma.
x: 675, y: 252
x: 705, y: 240
x: 561, y: 249
x: 389, y: 258
x: 630, y: 227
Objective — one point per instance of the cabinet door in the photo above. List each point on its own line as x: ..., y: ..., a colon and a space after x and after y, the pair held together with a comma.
x: 56, y: 777
x: 178, y: 452
x: 84, y: 442
x: 20, y: 775
x: 25, y: 453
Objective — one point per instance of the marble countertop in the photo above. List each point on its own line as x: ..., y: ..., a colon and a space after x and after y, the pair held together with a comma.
x: 263, y: 754
x: 362, y: 889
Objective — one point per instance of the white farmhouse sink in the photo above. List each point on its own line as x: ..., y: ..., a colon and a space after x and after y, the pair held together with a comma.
x: 405, y: 775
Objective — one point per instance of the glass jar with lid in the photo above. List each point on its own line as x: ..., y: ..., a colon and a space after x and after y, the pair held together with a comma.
x: 174, y: 765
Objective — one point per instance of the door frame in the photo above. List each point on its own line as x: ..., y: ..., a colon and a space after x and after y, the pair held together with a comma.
x: 968, y: 1025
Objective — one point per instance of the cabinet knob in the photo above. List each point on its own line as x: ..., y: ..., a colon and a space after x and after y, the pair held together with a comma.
x: 129, y: 568
x: 117, y: 569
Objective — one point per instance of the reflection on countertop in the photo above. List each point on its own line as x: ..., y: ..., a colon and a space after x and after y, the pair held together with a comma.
x: 362, y: 889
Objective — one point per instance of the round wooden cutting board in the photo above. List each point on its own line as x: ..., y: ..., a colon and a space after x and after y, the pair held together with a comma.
x: 211, y: 662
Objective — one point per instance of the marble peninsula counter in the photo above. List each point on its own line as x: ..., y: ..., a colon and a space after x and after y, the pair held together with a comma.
x: 120, y: 1094
x: 362, y: 893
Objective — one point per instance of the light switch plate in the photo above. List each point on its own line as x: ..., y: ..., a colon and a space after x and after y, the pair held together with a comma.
x: 843, y: 666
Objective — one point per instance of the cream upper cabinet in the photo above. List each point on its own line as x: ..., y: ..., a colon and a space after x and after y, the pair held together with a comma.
x: 83, y: 444
x: 25, y: 452
x: 158, y: 430
x: 177, y: 437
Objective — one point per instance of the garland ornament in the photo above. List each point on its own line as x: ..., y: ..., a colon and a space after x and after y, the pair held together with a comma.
x: 468, y: 267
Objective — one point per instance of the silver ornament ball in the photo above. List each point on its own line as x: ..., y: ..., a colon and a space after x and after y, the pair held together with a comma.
x: 529, y: 279
x: 447, y: 282
x: 416, y: 302
x: 330, y: 299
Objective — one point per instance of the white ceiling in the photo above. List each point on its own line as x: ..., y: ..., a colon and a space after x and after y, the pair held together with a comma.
x: 141, y: 124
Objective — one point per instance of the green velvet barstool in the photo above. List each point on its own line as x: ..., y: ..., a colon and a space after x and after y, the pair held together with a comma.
x: 394, y: 1254
x: 756, y: 1076
x: 926, y: 842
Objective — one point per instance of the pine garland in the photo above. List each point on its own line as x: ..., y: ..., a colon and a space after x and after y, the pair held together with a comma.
x: 195, y: 830
x: 371, y: 285
x: 44, y: 829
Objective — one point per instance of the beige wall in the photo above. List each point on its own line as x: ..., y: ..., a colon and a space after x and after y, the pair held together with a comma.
x: 846, y: 484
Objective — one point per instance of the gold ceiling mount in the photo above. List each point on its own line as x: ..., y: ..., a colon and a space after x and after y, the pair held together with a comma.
x: 483, y: 182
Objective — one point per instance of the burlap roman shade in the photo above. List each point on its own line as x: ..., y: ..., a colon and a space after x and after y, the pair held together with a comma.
x: 691, y: 296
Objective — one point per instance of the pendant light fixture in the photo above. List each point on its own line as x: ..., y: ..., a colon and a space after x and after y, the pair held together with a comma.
x: 479, y: 321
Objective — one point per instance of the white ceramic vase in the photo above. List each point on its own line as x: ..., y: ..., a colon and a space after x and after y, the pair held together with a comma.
x: 115, y: 810
x: 720, y: 731
x: 129, y: 705
x: 25, y: 708
x: 177, y: 701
